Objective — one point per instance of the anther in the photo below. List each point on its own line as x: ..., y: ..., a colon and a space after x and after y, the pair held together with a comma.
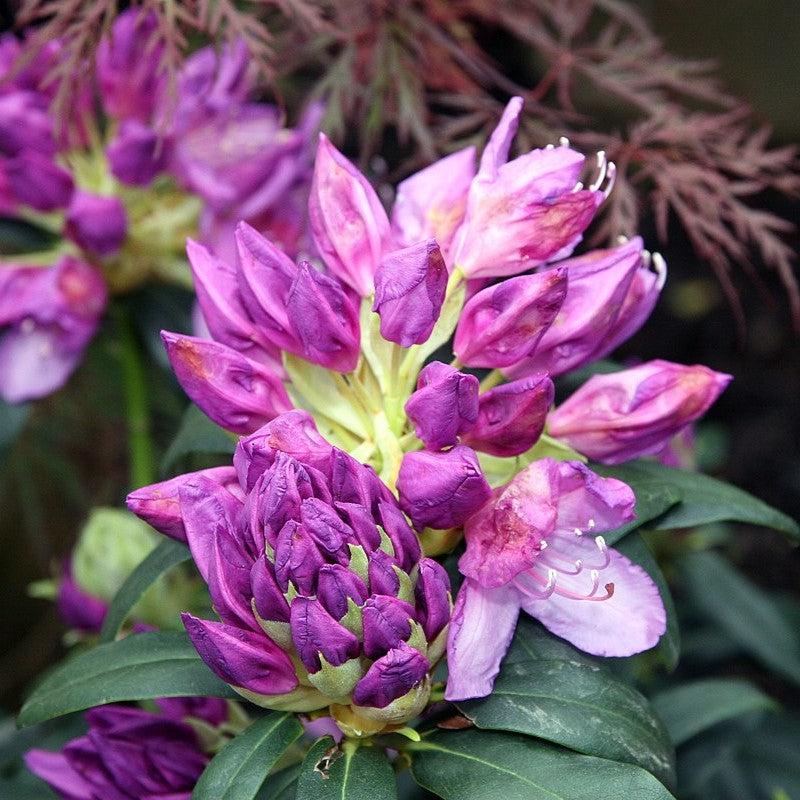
x: 660, y: 267
x: 602, y: 167
x: 563, y: 141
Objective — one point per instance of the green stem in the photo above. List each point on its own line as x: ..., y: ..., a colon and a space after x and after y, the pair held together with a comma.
x: 141, y: 458
x: 491, y: 380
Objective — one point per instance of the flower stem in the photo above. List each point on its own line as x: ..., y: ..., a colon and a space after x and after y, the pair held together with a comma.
x: 141, y: 459
x: 491, y: 380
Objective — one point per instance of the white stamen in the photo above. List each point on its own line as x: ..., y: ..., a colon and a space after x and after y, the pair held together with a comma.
x: 549, y: 147
x: 563, y: 141
x: 611, y: 174
x: 578, y: 187
x: 602, y: 167
x: 660, y: 267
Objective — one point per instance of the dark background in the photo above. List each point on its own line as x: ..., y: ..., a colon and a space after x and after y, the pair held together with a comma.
x: 71, y: 455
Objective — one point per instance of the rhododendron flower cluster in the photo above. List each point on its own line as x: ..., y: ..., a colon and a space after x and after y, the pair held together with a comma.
x: 122, y: 185
x: 313, y: 565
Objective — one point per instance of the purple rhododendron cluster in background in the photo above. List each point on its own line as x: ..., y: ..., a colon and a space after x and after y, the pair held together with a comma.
x: 323, y: 593
x: 195, y: 160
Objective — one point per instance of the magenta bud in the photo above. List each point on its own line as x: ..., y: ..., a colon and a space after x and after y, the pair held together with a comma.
x: 37, y: 181
x: 25, y: 124
x: 362, y: 523
x: 503, y: 324
x: 128, y: 65
x: 348, y: 223
x: 237, y: 393
x: 442, y: 490
x: 407, y: 550
x: 316, y: 633
x: 297, y: 558
x: 410, y: 288
x: 77, y: 608
x: 335, y: 585
x: 213, y: 710
x: 444, y: 405
x: 589, y: 323
x: 95, y: 223
x: 632, y: 413
x: 324, y: 320
x: 159, y: 504
x: 241, y: 657
x: 383, y: 577
x: 354, y: 482
x: 511, y: 416
x: 268, y: 597
x: 432, y: 594
x: 325, y: 527
x: 387, y: 623
x: 391, y: 677
x: 525, y: 212
x: 431, y: 203
x: 137, y: 154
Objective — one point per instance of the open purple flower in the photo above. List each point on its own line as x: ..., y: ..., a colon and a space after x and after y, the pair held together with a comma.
x: 534, y: 547
x: 316, y: 576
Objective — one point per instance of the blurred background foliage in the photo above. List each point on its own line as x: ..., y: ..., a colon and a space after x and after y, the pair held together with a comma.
x: 740, y: 616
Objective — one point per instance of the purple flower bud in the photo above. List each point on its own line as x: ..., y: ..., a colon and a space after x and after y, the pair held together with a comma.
x: 501, y: 325
x: 213, y: 710
x: 97, y: 224
x: 235, y: 392
x: 48, y: 315
x: 387, y: 623
x: 128, y: 66
x: 392, y: 676
x: 410, y: 287
x: 325, y: 526
x: 599, y: 284
x: 335, y: 585
x: 441, y: 490
x: 524, y: 212
x: 362, y: 523
x: 444, y: 405
x: 324, y: 320
x: 25, y: 125
x: 625, y: 415
x: 383, y: 577
x: 128, y: 752
x: 268, y: 597
x: 432, y: 593
x: 138, y: 154
x: 159, y: 505
x: 316, y: 633
x: 404, y: 541
x: 431, y: 203
x: 511, y: 416
x: 242, y: 657
x: 294, y: 433
x: 354, y: 482
x: 348, y: 223
x: 77, y: 608
x: 37, y: 181
x: 297, y: 558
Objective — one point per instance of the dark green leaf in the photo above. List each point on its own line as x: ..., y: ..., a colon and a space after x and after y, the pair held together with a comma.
x: 12, y: 420
x: 239, y: 769
x: 703, y: 499
x: 280, y: 785
x: 691, y: 708
x: 141, y: 667
x: 197, y: 434
x: 746, y: 613
x: 348, y: 772
x: 18, y: 237
x: 652, y: 500
x: 484, y: 765
x: 636, y: 549
x: 167, y: 555
x: 548, y: 689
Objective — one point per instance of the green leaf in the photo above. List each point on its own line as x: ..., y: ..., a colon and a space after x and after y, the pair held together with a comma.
x: 692, y: 707
x: 18, y: 237
x: 652, y: 500
x: 349, y: 772
x: 140, y: 667
x: 547, y: 689
x: 703, y: 499
x: 746, y: 613
x: 669, y: 646
x: 484, y: 765
x: 166, y: 556
x: 12, y: 420
x: 280, y: 785
x: 197, y: 434
x: 239, y: 769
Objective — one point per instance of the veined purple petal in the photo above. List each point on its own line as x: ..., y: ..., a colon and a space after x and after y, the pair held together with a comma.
x: 335, y: 585
x: 387, y: 623
x: 315, y: 632
x: 432, y: 595
x: 391, y: 676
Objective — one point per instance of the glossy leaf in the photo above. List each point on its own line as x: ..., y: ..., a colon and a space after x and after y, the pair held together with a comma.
x: 548, y: 689
x: 349, y: 772
x: 141, y: 667
x: 485, y: 765
x: 197, y: 434
x: 693, y: 707
x: 167, y: 555
x: 703, y: 499
x: 652, y: 500
x: 746, y: 613
x: 240, y: 768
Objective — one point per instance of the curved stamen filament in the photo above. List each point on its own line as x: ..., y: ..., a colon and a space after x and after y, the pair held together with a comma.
x: 537, y: 594
x: 564, y: 565
x: 602, y: 168
x: 550, y: 587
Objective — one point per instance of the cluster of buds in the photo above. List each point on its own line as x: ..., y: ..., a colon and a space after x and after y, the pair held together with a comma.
x: 128, y: 752
x: 121, y: 203
x: 298, y: 542
x: 324, y: 597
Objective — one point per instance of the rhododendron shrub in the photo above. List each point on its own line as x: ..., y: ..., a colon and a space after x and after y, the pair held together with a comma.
x: 402, y: 485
